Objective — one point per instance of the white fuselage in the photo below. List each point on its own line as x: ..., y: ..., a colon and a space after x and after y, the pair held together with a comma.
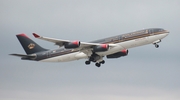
x: 119, y: 46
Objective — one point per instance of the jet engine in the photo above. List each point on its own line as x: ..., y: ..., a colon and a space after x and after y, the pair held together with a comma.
x: 71, y: 45
x: 118, y: 54
x: 101, y: 48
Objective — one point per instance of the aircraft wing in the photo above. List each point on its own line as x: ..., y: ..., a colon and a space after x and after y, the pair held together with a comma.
x: 60, y: 42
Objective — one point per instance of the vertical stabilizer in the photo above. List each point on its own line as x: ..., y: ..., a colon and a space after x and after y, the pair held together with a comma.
x: 29, y: 45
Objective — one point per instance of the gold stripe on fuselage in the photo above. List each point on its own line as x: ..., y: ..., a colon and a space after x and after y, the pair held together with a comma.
x: 111, y: 41
x: 124, y: 39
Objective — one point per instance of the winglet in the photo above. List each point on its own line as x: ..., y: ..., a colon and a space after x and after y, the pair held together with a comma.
x: 36, y: 35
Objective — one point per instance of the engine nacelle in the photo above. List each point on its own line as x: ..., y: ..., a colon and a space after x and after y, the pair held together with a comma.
x: 101, y: 48
x: 71, y: 45
x: 118, y: 54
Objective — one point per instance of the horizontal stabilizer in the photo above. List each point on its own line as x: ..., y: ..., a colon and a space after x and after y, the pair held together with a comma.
x: 24, y: 56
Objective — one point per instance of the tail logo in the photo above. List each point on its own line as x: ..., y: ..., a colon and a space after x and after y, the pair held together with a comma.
x: 31, y: 46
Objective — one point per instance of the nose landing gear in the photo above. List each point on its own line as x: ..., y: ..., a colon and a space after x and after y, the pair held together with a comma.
x: 156, y: 45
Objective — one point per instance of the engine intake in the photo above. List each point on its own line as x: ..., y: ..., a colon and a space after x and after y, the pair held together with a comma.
x: 71, y: 45
x: 118, y: 54
x: 101, y: 48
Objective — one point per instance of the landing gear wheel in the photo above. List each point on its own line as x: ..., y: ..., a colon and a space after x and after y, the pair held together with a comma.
x: 87, y: 62
x: 98, y: 64
x: 156, y: 45
x: 102, y: 62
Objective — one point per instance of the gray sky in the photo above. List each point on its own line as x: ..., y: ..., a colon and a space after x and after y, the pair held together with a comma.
x: 146, y: 73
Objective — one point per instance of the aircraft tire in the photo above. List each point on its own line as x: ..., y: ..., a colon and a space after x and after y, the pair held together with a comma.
x: 103, y: 62
x: 98, y: 64
x: 87, y: 62
x: 157, y: 46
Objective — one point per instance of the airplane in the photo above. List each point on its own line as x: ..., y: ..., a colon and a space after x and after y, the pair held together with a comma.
x: 95, y: 51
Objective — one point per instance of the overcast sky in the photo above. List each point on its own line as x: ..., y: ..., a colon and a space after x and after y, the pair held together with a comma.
x: 147, y: 73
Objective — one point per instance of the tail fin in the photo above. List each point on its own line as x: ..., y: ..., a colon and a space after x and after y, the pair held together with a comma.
x: 29, y: 45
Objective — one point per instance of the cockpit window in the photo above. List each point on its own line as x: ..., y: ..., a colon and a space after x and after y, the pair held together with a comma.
x: 161, y: 30
x: 155, y: 30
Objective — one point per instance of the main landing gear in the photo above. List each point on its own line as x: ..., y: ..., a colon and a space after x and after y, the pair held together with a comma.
x: 95, y: 58
x: 98, y: 64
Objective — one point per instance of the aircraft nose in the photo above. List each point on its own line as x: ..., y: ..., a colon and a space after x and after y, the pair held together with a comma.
x: 166, y: 31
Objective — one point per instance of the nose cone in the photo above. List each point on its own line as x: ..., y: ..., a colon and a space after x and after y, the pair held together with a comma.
x: 166, y: 32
